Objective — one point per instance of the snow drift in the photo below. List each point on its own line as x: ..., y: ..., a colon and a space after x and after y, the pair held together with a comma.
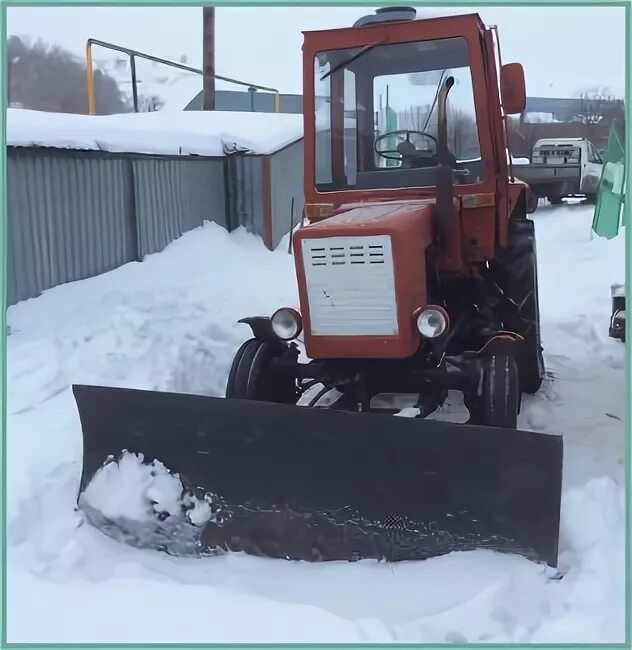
x: 169, y: 323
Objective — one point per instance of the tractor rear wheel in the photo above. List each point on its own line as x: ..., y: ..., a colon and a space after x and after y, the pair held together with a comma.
x: 254, y: 376
x: 499, y: 402
x: 515, y: 270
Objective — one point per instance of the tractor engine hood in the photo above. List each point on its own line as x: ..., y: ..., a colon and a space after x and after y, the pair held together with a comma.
x: 361, y: 276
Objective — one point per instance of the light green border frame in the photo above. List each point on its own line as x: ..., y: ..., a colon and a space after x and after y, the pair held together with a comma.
x: 330, y: 3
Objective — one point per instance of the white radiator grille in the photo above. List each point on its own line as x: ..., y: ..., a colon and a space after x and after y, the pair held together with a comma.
x: 350, y: 286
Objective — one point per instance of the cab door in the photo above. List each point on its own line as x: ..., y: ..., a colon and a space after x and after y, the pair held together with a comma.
x: 591, y: 167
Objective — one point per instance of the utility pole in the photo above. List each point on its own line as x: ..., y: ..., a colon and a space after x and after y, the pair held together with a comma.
x: 208, y: 57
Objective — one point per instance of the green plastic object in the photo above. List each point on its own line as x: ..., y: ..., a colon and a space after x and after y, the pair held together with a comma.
x: 608, y: 216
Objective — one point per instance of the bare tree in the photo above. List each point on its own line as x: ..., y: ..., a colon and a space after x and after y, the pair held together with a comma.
x: 462, y: 134
x: 413, y: 118
x: 462, y: 131
x: 149, y: 103
x: 597, y: 104
x: 49, y: 78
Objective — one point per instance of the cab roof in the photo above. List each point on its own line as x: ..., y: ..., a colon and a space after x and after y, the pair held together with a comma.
x: 449, y: 19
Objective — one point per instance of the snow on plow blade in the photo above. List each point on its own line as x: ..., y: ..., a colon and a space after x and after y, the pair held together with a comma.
x: 318, y: 484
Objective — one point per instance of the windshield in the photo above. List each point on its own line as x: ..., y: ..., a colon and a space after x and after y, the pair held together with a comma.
x: 376, y: 115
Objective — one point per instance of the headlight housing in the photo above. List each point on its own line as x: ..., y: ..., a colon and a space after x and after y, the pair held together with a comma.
x: 432, y: 321
x: 286, y: 323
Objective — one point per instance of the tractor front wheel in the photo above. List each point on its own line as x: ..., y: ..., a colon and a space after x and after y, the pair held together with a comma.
x: 255, y: 375
x: 499, y: 401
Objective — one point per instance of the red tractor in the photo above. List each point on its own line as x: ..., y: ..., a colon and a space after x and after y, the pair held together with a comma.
x: 417, y: 275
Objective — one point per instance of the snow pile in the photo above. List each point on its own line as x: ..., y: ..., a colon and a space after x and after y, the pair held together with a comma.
x: 144, y: 325
x: 533, y: 117
x: 170, y: 323
x: 130, y: 489
x: 202, y: 133
x: 147, y: 506
x: 141, y: 491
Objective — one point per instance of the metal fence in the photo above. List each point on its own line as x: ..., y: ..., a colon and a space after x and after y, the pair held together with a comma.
x: 286, y: 190
x: 76, y: 214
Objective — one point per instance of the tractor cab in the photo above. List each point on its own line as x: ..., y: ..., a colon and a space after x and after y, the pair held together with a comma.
x: 392, y: 99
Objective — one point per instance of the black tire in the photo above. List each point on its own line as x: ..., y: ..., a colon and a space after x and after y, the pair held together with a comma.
x: 515, y: 270
x: 555, y: 200
x: 500, y: 400
x: 252, y: 375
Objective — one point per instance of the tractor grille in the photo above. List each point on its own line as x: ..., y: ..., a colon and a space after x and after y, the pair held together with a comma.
x: 350, y: 286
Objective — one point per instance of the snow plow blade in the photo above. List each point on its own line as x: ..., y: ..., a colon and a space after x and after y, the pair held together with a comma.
x: 313, y: 484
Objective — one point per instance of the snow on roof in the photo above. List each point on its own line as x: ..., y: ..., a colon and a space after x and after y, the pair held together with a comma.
x: 202, y: 133
x: 535, y: 117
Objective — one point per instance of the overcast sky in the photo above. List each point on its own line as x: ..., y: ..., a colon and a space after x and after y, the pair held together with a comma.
x: 564, y: 50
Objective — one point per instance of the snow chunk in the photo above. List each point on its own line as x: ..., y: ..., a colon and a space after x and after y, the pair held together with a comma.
x: 201, y: 512
x: 132, y: 490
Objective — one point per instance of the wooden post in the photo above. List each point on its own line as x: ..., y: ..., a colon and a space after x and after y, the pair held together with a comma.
x: 208, y: 57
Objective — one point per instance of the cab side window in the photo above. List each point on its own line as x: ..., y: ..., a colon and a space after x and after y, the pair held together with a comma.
x: 593, y: 154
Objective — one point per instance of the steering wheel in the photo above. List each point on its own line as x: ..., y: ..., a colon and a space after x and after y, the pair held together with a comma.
x: 400, y: 155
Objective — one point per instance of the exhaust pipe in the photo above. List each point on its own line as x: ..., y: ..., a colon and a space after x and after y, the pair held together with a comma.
x: 446, y: 216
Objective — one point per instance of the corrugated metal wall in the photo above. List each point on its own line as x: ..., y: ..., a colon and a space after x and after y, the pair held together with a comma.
x: 244, y: 192
x: 173, y: 196
x: 73, y: 215
x: 286, y: 182
x: 70, y: 217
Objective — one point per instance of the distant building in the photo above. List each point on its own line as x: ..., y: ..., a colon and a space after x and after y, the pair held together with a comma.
x: 541, y: 109
x: 256, y: 101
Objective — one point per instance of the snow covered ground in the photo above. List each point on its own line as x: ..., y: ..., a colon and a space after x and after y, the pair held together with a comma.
x: 168, y: 323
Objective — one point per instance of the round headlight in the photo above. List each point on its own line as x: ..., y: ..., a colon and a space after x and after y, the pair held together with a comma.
x: 432, y: 322
x: 286, y: 323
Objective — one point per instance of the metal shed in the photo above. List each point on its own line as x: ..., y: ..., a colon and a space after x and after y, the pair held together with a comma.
x: 73, y: 214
